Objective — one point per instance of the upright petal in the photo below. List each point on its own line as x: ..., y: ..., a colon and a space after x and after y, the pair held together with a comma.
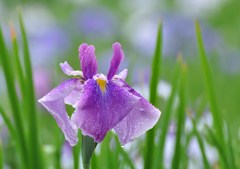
x: 99, y: 111
x: 118, y: 56
x: 54, y: 103
x: 68, y: 70
x: 122, y: 75
x: 140, y: 119
x: 88, y: 60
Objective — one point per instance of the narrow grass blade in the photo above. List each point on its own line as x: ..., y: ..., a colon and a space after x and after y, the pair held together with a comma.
x: 18, y: 67
x: 33, y: 130
x: 180, y: 121
x: 156, y: 65
x: 165, y: 120
x: 124, y: 154
x: 231, y: 154
x: 201, y: 145
x: 9, y: 77
x: 88, y: 147
x: 209, y: 84
x: 217, y: 143
x: 8, y: 123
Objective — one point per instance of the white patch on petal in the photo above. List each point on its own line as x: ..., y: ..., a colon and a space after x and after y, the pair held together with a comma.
x: 122, y: 75
x: 68, y: 70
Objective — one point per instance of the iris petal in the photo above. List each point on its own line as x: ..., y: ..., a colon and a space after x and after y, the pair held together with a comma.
x: 54, y: 103
x: 122, y: 75
x: 88, y: 60
x: 98, y: 112
x: 140, y: 119
x: 117, y: 58
x: 68, y: 70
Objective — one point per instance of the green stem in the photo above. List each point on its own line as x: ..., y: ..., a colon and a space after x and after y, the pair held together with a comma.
x: 88, y: 147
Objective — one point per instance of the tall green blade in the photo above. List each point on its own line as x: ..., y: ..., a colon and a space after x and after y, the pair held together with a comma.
x: 219, y: 147
x: 8, y: 123
x: 9, y: 78
x: 33, y: 131
x: 165, y: 120
x: 124, y: 154
x: 18, y: 67
x: 231, y: 154
x: 209, y: 84
x: 180, y: 121
x: 156, y: 65
x: 201, y: 145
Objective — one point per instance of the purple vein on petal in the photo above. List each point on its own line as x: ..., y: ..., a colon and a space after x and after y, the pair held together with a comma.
x: 140, y: 119
x: 97, y: 112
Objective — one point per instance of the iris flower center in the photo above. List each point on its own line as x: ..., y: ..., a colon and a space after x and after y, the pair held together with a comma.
x: 102, y: 84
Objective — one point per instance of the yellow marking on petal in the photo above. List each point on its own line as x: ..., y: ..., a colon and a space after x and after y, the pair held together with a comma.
x: 102, y: 84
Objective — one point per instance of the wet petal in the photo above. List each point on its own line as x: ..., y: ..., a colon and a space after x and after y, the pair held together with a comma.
x: 141, y: 118
x: 68, y: 70
x: 122, y: 75
x: 118, y: 56
x: 88, y: 60
x: 54, y: 103
x: 99, y: 111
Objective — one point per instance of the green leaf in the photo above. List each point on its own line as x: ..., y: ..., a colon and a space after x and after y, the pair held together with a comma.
x: 156, y: 65
x: 180, y: 120
x: 165, y: 120
x: 124, y: 154
x: 88, y: 147
x: 8, y: 123
x: 14, y: 102
x: 33, y: 130
x: 201, y: 145
x: 218, y: 145
x: 17, y: 64
x: 209, y: 84
x: 231, y: 154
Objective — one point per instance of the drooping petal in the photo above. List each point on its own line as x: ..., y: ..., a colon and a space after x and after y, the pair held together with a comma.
x: 100, y: 110
x: 54, y: 103
x: 68, y: 70
x: 88, y: 60
x: 122, y: 75
x: 140, y: 119
x: 118, y: 56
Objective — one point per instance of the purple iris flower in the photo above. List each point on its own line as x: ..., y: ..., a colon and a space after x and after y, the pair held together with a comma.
x: 101, y: 102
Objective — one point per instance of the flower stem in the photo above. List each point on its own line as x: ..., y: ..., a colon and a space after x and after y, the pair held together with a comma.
x: 88, y: 147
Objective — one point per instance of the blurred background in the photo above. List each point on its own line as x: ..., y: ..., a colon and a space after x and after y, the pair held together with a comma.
x: 55, y: 29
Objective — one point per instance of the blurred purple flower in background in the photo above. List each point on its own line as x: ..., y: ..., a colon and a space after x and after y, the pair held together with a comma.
x: 47, y: 39
x: 101, y: 102
x: 178, y: 35
x: 42, y: 81
x: 95, y: 23
x: 67, y: 159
